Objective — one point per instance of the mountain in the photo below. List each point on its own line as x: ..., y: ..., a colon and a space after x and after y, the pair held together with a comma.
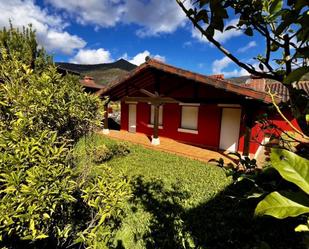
x: 103, y: 73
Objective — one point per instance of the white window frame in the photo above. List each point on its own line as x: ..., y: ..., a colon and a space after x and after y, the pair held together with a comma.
x: 184, y: 128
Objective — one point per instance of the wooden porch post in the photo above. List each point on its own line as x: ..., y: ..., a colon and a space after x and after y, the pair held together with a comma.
x: 155, y: 139
x: 105, y: 128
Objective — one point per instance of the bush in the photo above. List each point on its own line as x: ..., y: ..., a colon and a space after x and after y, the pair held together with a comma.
x: 101, y: 154
x: 120, y: 149
x: 44, y: 202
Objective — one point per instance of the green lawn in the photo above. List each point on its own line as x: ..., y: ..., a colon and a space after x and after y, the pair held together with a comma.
x: 182, y: 203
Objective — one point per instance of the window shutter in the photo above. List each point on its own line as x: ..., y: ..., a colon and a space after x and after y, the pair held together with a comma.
x: 189, y: 117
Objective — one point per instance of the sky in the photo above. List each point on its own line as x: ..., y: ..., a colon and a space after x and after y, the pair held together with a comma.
x: 103, y: 31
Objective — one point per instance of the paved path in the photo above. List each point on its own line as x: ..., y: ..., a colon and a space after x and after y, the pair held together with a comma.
x: 169, y: 145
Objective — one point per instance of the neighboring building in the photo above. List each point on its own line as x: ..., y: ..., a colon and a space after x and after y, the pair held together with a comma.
x: 90, y: 85
x: 86, y: 81
x: 208, y: 111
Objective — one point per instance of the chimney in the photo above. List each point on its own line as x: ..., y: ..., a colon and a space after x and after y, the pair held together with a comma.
x: 217, y: 76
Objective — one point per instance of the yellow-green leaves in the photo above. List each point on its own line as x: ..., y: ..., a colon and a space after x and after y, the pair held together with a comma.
x: 280, y: 207
x: 292, y: 167
x: 295, y: 169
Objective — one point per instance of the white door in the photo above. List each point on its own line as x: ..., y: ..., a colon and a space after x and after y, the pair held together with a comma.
x: 132, y: 118
x: 230, y: 125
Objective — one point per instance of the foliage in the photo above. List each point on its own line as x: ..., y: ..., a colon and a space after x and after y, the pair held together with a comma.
x: 44, y: 202
x: 282, y: 24
x: 104, y: 196
x: 120, y: 149
x: 242, y: 166
x: 295, y: 169
x: 102, y: 154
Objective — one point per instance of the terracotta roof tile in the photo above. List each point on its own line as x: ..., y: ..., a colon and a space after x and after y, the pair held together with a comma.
x: 88, y: 81
x: 276, y: 87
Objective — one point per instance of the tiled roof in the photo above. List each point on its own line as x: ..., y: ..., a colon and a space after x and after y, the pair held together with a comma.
x: 88, y: 81
x: 216, y: 82
x: 276, y: 87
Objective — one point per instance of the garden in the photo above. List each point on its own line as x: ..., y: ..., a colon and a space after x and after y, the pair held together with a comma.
x: 64, y: 185
x: 177, y: 202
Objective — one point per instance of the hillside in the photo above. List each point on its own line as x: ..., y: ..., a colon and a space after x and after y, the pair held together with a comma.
x: 102, y: 73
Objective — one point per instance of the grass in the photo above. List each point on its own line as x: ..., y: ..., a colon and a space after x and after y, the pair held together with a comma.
x: 182, y: 203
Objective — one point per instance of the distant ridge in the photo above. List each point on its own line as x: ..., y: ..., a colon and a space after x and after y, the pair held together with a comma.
x: 103, y: 73
x: 121, y: 64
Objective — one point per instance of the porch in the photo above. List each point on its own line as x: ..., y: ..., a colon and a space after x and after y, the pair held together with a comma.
x: 170, y: 146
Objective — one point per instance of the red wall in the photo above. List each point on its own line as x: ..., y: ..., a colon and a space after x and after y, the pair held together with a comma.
x: 209, y: 123
x: 258, y: 133
x: 209, y: 118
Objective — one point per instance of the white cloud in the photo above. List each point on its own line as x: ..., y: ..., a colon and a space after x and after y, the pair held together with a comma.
x: 92, y: 56
x: 104, y: 13
x: 50, y: 29
x: 251, y: 44
x: 140, y: 57
x: 218, y: 67
x: 221, y: 37
x: 153, y: 17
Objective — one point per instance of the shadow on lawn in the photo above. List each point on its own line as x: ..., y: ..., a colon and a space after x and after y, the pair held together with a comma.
x: 223, y: 222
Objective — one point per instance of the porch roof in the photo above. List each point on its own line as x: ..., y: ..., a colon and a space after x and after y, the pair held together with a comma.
x: 145, y: 75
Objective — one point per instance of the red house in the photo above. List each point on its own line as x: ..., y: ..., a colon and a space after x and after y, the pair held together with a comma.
x: 158, y: 99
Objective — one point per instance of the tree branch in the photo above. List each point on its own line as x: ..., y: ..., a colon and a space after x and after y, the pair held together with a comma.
x: 284, y: 118
x: 223, y: 49
x: 287, y: 54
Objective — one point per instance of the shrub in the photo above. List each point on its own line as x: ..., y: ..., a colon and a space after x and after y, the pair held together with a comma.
x: 101, y: 154
x: 120, y: 149
x: 44, y: 203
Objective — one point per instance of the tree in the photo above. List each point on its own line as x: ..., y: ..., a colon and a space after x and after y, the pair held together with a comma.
x: 284, y: 27
x: 45, y: 201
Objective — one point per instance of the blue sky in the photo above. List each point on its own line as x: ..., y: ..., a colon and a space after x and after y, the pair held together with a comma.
x: 102, y: 31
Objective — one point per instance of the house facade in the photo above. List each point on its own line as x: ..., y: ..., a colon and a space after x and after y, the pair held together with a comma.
x: 158, y: 99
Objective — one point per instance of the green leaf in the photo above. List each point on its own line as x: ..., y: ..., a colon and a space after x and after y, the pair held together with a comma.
x: 302, y: 228
x: 291, y: 167
x: 249, y: 31
x: 280, y: 207
x: 41, y: 236
x: 296, y: 75
x: 202, y: 16
x: 275, y: 6
x: 230, y: 27
x: 31, y: 225
x: 46, y: 216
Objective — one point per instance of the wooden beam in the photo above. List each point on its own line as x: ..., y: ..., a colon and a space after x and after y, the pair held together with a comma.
x: 153, y: 100
x: 106, y: 116
x: 149, y: 94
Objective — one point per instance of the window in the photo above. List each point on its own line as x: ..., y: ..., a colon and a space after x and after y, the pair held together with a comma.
x: 160, y: 115
x: 189, y: 117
